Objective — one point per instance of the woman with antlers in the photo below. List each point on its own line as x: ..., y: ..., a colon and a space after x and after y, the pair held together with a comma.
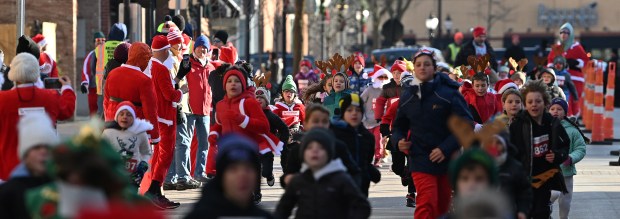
x: 421, y: 131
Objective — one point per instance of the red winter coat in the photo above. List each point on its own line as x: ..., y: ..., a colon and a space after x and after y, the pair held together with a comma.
x: 281, y: 109
x: 48, y: 65
x: 243, y: 115
x: 128, y: 83
x: 199, y: 88
x: 167, y: 96
x: 390, y: 114
x: 480, y: 113
x: 576, y: 52
x: 14, y: 102
x: 383, y: 102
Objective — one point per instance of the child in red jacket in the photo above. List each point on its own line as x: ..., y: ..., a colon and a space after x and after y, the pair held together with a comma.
x: 290, y: 109
x: 482, y: 104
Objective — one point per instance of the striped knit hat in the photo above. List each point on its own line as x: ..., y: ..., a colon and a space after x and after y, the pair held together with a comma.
x: 175, y: 37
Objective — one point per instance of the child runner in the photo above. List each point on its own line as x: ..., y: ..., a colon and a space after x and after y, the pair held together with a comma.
x: 548, y: 77
x: 513, y: 104
x: 542, y: 145
x: 482, y: 104
x: 566, y: 83
x: 360, y: 141
x: 127, y: 135
x: 380, y: 76
x: 577, y: 151
x: 519, y: 78
x: 512, y: 180
x: 317, y: 92
x: 323, y: 189
x: 289, y: 108
x: 306, y: 76
x: 340, y: 84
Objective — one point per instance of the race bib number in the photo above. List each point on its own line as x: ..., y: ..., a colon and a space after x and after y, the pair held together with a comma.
x: 130, y: 165
x: 541, y: 145
x: 291, y: 114
x: 30, y: 110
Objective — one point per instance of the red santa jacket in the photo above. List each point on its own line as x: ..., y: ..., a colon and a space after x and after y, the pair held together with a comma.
x: 390, y: 113
x: 167, y: 96
x: 383, y: 102
x: 243, y: 114
x: 199, y: 89
x: 481, y: 113
x: 576, y: 52
x: 48, y: 65
x: 88, y: 73
x: 20, y: 101
x: 128, y: 83
x: 290, y: 115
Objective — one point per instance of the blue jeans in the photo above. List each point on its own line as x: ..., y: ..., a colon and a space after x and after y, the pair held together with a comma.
x: 179, y: 168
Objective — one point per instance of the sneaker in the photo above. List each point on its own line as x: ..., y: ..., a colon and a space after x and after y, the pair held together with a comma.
x: 160, y: 201
x: 377, y: 163
x: 189, y: 184
x: 169, y: 186
x: 410, y: 200
x: 257, y: 198
x: 271, y: 180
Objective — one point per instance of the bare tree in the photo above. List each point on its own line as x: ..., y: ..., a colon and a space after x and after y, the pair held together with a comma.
x: 395, y: 9
x: 297, y: 34
x: 497, y: 10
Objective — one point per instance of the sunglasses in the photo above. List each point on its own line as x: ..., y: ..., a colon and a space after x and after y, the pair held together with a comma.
x: 216, y: 40
x: 383, y: 77
x: 564, y: 32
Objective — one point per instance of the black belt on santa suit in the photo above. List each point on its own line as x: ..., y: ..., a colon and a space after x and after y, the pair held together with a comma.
x: 116, y: 99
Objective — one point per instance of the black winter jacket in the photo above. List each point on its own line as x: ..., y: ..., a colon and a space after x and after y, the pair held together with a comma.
x: 327, y: 193
x: 12, y: 195
x: 213, y: 204
x: 516, y: 185
x: 468, y: 50
x: 216, y: 78
x: 361, y: 144
x: 559, y: 143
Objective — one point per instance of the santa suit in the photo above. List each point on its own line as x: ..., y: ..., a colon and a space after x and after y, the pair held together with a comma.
x: 167, y: 99
x: 576, y: 52
x: 88, y: 79
x: 21, y: 100
x: 243, y: 115
x: 48, y: 66
x: 291, y: 115
x: 128, y: 83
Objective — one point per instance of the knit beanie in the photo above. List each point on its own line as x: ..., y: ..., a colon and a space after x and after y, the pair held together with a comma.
x: 121, y: 52
x: 322, y: 136
x: 236, y: 72
x: 306, y: 63
x: 289, y: 84
x: 167, y: 25
x: 458, y: 36
x: 235, y: 148
x: 518, y: 75
x: 179, y: 21
x: 25, y: 44
x: 262, y: 92
x: 202, y: 40
x: 560, y: 102
x: 348, y: 100
x: 399, y: 65
x: 174, y: 37
x: 139, y: 55
x: 478, y: 31
x: 98, y: 35
x: 24, y: 68
x: 159, y: 43
x: 346, y: 79
x: 118, y: 32
x: 222, y: 35
x: 474, y: 155
x: 35, y: 129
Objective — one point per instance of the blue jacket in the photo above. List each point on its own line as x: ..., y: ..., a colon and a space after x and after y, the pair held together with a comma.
x: 425, y: 120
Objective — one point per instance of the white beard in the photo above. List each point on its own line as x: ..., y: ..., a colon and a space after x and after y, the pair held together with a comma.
x: 377, y: 84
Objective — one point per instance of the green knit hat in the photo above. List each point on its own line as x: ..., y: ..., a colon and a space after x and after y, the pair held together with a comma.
x: 474, y: 155
x: 289, y: 84
x: 98, y: 35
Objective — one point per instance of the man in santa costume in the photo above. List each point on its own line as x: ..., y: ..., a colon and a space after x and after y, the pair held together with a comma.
x: 576, y: 58
x: 130, y: 83
x: 46, y: 62
x: 167, y: 99
x: 380, y: 76
x: 26, y: 98
x: 88, y: 85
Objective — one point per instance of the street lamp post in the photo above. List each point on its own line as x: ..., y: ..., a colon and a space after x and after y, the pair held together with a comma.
x: 448, y: 24
x: 431, y: 24
x: 365, y: 13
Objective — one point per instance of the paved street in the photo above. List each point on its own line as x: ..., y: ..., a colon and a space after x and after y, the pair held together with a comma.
x: 597, y: 187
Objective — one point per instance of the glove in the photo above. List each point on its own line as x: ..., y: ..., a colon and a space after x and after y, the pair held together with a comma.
x: 184, y: 69
x: 236, y: 118
x: 385, y: 130
x: 84, y: 89
x: 378, y: 120
x: 572, y: 64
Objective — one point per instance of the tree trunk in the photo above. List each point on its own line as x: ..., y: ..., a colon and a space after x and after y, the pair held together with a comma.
x: 297, y: 34
x: 376, y: 36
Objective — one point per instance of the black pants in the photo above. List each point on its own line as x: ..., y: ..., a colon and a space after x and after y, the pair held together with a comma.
x: 540, y: 203
x: 399, y: 167
x: 266, y: 161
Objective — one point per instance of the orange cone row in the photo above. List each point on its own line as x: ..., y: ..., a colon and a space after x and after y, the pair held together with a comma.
x: 597, y: 115
x: 608, y: 130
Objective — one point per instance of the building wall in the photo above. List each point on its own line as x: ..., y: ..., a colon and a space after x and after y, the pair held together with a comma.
x: 466, y: 14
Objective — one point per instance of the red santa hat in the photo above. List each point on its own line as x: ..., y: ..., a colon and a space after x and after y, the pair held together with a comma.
x: 40, y: 40
x: 505, y: 84
x: 478, y: 31
x: 399, y: 65
x: 174, y: 37
x: 125, y: 105
x: 159, y: 43
x: 306, y: 63
x: 379, y: 71
x: 35, y: 129
x: 228, y: 54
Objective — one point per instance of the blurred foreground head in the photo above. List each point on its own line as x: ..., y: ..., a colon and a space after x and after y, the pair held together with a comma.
x: 488, y: 204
